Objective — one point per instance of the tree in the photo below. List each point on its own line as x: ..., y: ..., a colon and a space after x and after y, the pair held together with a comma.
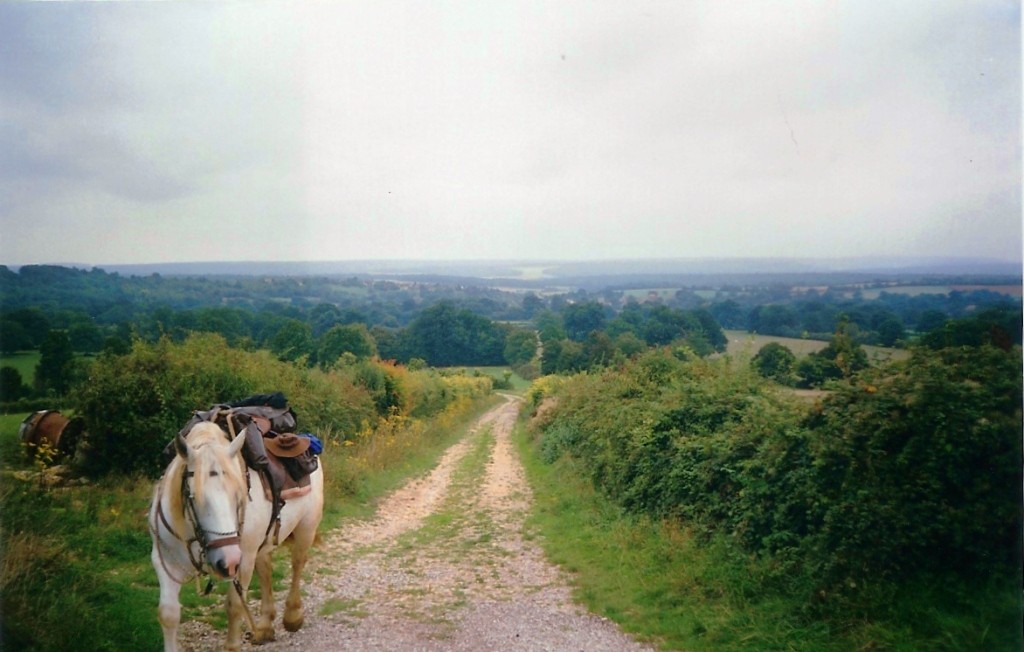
x: 775, y: 361
x: 842, y: 358
x: 549, y: 325
x: 629, y: 344
x: 292, y: 341
x: 14, y: 336
x: 549, y: 356
x: 323, y: 317
x: 85, y: 337
x: 12, y: 387
x: 520, y: 347
x: 774, y: 319
x: 712, y: 331
x: 34, y: 323
x: 582, y: 319
x: 532, y: 304
x: 54, y: 371
x: 352, y: 338
x: 445, y: 336
x: 729, y: 314
x: 599, y: 350
x: 890, y: 331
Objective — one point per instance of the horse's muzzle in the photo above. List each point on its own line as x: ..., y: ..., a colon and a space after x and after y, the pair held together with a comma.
x: 224, y: 556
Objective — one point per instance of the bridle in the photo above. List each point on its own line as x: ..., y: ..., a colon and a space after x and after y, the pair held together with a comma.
x: 201, y: 536
x: 200, y: 542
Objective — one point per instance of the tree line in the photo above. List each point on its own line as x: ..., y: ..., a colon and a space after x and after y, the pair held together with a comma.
x: 64, y: 313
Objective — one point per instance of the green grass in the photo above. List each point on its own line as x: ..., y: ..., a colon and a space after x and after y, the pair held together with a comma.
x: 24, y: 362
x: 663, y: 584
x: 744, y: 345
x: 519, y: 384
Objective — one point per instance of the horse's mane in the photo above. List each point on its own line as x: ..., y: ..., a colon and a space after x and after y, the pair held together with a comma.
x: 210, y: 441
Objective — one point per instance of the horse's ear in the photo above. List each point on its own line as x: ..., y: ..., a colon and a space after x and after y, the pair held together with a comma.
x: 181, y: 446
x: 236, y: 445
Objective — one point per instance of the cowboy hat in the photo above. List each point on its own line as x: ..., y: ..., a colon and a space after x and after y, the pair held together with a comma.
x: 286, y: 445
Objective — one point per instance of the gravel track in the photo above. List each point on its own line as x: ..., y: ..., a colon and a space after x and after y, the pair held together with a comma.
x: 444, y: 565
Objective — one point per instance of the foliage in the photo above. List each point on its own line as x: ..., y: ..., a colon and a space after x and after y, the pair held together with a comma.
x: 292, y: 341
x: 520, y: 347
x: 582, y: 319
x: 56, y: 364
x: 446, y: 336
x: 659, y: 579
x: 12, y: 386
x: 132, y: 405
x: 907, y: 471
x: 999, y: 327
x: 842, y: 358
x: 775, y: 361
x: 919, y: 467
x: 349, y: 338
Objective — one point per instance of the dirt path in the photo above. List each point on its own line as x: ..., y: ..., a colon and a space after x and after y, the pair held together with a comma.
x: 444, y: 565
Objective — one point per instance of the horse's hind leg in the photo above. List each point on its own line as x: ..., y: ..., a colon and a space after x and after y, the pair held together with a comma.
x: 302, y: 539
x: 265, y: 571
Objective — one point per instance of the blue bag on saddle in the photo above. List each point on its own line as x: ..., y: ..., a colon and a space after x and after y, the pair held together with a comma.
x: 315, y: 445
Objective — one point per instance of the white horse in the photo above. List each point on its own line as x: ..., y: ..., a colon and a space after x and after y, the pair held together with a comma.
x: 207, y: 519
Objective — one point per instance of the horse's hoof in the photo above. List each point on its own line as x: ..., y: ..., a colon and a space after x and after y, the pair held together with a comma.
x: 294, y: 625
x: 262, y: 635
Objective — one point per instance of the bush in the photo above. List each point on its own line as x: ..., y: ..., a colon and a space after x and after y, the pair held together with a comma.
x: 775, y: 361
x: 133, y: 404
x: 908, y: 470
x: 919, y: 466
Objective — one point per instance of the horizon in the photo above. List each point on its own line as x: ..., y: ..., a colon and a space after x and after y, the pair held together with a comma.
x: 538, y: 269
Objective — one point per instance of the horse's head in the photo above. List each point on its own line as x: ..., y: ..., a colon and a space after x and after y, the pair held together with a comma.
x: 214, y: 493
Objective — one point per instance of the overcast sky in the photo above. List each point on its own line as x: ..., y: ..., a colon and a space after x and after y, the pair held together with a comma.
x: 173, y: 131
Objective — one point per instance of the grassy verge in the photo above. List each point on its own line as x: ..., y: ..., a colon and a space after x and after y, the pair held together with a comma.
x: 517, y: 382
x: 662, y: 584
x: 76, y: 572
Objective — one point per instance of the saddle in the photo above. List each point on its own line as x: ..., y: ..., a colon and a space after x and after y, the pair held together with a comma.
x: 282, y: 459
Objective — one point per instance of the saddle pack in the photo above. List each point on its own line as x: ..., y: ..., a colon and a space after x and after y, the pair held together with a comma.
x: 283, y: 459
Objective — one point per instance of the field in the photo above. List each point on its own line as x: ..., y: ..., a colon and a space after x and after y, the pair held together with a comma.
x: 24, y: 362
x: 743, y: 344
x: 519, y: 384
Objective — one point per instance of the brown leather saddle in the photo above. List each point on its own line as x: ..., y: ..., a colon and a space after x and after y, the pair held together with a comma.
x: 281, y: 458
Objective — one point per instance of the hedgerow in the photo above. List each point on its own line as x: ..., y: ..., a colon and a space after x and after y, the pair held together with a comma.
x: 903, y: 471
x: 133, y: 404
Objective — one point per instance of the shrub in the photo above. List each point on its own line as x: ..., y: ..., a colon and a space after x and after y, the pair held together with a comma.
x: 907, y: 470
x: 775, y: 361
x: 920, y: 466
x: 133, y: 404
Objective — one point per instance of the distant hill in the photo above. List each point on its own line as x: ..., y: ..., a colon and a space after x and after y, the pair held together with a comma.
x: 604, y: 273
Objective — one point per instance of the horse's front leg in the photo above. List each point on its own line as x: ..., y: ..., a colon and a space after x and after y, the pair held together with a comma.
x: 236, y: 606
x: 169, y: 609
x: 265, y: 571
